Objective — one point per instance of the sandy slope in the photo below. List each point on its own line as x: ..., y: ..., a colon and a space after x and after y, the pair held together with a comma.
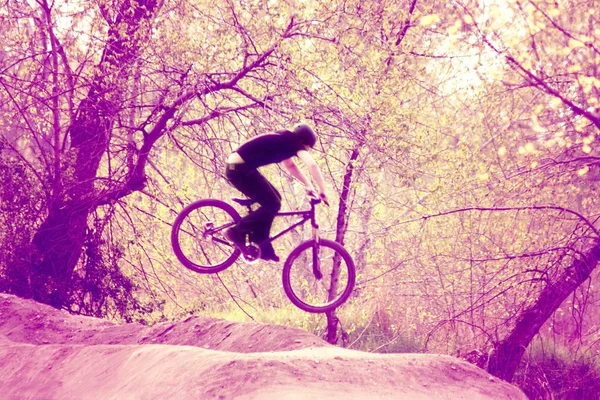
x: 49, y: 354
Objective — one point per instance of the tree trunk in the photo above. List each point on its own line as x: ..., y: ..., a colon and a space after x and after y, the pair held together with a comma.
x: 59, y: 240
x: 332, y: 324
x: 342, y: 225
x: 509, y: 351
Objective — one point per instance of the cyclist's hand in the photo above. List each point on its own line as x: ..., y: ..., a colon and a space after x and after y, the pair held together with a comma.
x: 323, y: 197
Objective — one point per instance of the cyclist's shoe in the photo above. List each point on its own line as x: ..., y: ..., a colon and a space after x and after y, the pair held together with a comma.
x: 235, y: 237
x: 267, y: 253
x: 270, y: 257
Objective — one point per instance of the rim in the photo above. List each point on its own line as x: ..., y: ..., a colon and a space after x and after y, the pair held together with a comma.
x: 200, y: 236
x: 319, y: 293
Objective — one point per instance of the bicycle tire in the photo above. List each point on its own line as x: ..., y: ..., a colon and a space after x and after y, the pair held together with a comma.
x: 293, y: 278
x: 192, y: 221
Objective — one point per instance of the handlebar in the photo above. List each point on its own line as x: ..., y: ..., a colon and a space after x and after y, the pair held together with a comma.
x: 315, y: 199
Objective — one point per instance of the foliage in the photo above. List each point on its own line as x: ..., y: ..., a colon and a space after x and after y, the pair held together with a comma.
x: 99, y: 286
x: 18, y: 217
x: 552, y: 373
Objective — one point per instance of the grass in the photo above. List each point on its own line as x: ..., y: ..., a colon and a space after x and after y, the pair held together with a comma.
x: 553, y: 373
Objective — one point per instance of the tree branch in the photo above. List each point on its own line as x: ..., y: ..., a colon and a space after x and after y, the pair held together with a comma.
x: 406, y: 23
x: 556, y: 208
x: 136, y: 178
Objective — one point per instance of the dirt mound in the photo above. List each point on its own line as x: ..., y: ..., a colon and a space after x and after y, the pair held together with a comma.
x: 25, y: 321
x: 50, y: 354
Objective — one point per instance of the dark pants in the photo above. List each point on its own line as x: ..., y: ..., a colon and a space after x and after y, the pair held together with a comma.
x: 256, y: 187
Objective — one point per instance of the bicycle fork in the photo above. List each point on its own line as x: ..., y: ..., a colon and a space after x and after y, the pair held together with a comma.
x: 315, y: 253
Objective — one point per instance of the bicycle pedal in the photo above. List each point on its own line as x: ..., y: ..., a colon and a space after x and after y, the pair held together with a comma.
x: 251, y: 253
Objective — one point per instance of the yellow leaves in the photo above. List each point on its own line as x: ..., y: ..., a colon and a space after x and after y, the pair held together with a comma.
x: 586, y: 144
x: 429, y: 20
x: 536, y: 26
x: 583, y: 171
x: 554, y: 12
x: 484, y: 176
x: 555, y: 102
x: 536, y: 126
x: 581, y: 125
x: 588, y: 83
x: 502, y: 151
x: 565, y: 51
x: 529, y: 148
x: 526, y: 64
x: 574, y: 68
x: 587, y: 39
x: 537, y: 111
x: 574, y: 44
x: 468, y: 19
x: 455, y: 28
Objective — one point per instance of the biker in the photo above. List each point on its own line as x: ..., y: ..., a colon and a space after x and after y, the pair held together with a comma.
x: 242, y: 172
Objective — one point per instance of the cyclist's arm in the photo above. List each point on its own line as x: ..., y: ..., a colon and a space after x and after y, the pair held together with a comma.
x: 315, y: 172
x: 291, y: 166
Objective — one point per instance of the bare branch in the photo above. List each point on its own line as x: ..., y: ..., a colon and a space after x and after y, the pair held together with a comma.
x: 492, y: 209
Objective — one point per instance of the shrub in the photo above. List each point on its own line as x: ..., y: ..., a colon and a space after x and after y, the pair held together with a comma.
x: 554, y: 374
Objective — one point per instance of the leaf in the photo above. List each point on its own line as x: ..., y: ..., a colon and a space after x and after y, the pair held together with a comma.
x: 573, y: 44
x: 554, y: 12
x: 555, y: 102
x: 583, y: 171
x: 455, y: 28
x: 428, y: 20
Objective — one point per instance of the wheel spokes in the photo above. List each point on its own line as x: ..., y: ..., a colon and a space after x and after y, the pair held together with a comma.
x: 315, y: 290
x: 201, y: 236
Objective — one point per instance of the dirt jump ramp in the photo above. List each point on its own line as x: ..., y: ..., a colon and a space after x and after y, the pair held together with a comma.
x: 49, y: 354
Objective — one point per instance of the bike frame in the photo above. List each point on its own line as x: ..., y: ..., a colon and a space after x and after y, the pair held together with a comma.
x: 305, y: 214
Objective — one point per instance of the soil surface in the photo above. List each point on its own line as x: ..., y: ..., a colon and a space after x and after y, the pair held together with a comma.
x: 49, y: 354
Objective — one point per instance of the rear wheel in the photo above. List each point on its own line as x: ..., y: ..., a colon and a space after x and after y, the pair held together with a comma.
x: 319, y: 277
x: 198, y: 237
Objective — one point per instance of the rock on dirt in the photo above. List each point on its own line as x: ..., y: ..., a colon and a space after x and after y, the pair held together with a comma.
x: 50, y: 354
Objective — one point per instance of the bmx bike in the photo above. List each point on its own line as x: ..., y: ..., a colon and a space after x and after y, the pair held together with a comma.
x: 318, y: 275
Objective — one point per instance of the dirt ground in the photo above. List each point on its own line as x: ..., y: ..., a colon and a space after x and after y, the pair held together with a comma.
x: 49, y: 354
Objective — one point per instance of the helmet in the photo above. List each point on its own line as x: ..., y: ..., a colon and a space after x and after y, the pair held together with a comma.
x: 306, y: 134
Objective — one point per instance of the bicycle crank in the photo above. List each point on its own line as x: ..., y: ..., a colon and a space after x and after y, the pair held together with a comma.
x: 251, y: 253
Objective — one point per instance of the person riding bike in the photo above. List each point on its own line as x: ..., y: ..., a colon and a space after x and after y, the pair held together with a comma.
x: 242, y: 172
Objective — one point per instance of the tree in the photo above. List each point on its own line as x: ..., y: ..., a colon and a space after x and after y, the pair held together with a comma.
x: 551, y: 60
x: 94, y: 130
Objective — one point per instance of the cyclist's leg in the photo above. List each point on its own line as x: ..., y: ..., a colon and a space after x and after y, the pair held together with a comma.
x: 254, y: 185
x: 262, y: 232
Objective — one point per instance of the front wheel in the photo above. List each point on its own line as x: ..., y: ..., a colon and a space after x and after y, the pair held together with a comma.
x: 198, y: 237
x: 319, y: 276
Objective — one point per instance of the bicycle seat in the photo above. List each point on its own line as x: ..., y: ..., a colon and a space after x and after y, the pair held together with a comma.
x: 243, y: 202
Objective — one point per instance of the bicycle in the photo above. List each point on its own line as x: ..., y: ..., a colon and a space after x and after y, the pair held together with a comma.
x: 316, y: 283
